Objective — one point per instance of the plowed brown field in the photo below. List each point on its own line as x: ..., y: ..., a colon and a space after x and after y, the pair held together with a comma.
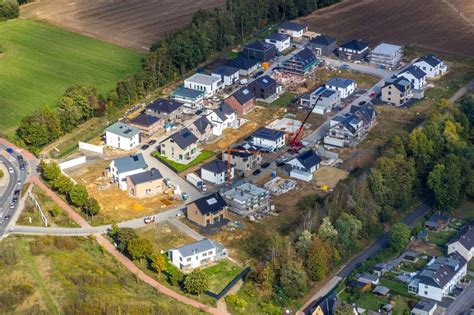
x: 131, y: 23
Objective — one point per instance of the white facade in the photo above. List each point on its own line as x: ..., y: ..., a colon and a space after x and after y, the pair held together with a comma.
x: 119, y: 142
x: 463, y: 251
x: 297, y: 35
x: 198, y: 254
x: 267, y: 143
x: 228, y: 79
x: 219, y: 125
x: 121, y: 178
x: 281, y: 45
x: 432, y: 72
x: 418, y: 83
x: 345, y: 92
x: 202, y: 82
x: 216, y: 178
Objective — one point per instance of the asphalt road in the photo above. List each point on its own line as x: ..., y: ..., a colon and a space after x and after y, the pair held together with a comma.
x: 463, y: 302
x: 379, y: 244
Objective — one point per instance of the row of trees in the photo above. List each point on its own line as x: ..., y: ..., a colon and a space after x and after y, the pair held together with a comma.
x: 76, y: 194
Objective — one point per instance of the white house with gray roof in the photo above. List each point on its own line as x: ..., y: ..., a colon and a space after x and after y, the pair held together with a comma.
x: 304, y: 165
x: 180, y: 147
x: 424, y: 307
x: 123, y: 167
x: 196, y: 255
x: 346, y: 87
x: 387, y: 55
x: 415, y: 75
x: 217, y: 172
x: 202, y: 82
x: 221, y: 118
x: 122, y: 136
x: 432, y: 66
x: 463, y: 242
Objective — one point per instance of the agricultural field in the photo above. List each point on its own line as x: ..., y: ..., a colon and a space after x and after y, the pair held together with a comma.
x: 135, y: 24
x: 401, y: 22
x: 66, y: 275
x: 32, y: 76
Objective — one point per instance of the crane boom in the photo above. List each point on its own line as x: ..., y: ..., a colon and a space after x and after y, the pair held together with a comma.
x: 294, y: 143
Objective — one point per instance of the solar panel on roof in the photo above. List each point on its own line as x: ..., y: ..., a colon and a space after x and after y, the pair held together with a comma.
x: 211, y: 201
x: 245, y: 92
x: 265, y: 80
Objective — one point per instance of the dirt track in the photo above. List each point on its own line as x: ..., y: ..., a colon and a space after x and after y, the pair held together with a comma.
x: 131, y: 23
x: 438, y: 25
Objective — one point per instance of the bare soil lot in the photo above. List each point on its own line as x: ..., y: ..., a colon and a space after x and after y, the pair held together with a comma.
x: 131, y: 23
x: 438, y: 25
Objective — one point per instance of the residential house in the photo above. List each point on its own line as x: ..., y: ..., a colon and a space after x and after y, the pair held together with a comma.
x: 208, y: 210
x: 281, y: 41
x: 424, y: 307
x: 437, y: 221
x: 217, y: 172
x: 396, y: 91
x: 439, y: 277
x: 326, y: 305
x: 242, y: 101
x: 304, y: 165
x: 323, y: 45
x: 221, y: 118
x: 432, y: 66
x: 121, y: 168
x: 166, y: 110
x: 386, y: 55
x: 201, y: 128
x: 264, y: 87
x: 351, y: 128
x: 415, y: 75
x: 411, y: 256
x: 246, y: 66
x: 295, y: 30
x: 122, y: 136
x: 243, y: 159
x: 346, y: 87
x: 301, y: 63
x: 228, y: 75
x: 146, y: 184
x: 188, y: 96
x: 354, y: 50
x: 209, y: 84
x: 181, y: 147
x: 324, y: 99
x: 259, y: 50
x: 268, y: 139
x: 196, y: 255
x: 381, y: 290
x: 149, y: 124
x: 463, y: 242
x: 246, y: 199
x: 368, y: 278
x: 381, y: 268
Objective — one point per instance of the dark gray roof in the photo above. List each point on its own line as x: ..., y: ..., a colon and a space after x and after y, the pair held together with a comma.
x: 210, y: 204
x: 188, y: 93
x: 215, y: 166
x: 269, y: 134
x: 201, y: 246
x: 123, y: 130
x: 263, y: 82
x: 432, y: 60
x: 340, y: 82
x: 436, y: 219
x: 292, y: 26
x: 201, y: 124
x: 400, y: 83
x: 260, y: 46
x: 242, y: 63
x: 130, y: 163
x: 465, y: 236
x: 425, y: 305
x: 243, y: 95
x: 164, y: 105
x: 146, y: 177
x: 225, y: 71
x: 415, y: 71
x: 223, y: 111
x: 442, y: 270
x: 144, y: 120
x: 278, y: 37
x: 184, y: 138
x: 309, y: 159
x: 323, y: 40
x: 304, y: 57
x: 355, y: 45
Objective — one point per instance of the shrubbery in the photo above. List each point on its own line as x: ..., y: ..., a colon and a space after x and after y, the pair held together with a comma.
x: 9, y: 9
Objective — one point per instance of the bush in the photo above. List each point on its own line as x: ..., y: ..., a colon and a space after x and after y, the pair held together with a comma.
x: 236, y: 303
x: 55, y: 211
x: 65, y: 243
x: 196, y: 282
x: 15, y: 295
x: 1, y: 172
x: 9, y: 9
x: 9, y: 256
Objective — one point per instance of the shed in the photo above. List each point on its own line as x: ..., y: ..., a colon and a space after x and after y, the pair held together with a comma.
x: 381, y: 290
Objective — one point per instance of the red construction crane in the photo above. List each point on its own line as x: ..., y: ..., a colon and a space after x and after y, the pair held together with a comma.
x: 295, y: 144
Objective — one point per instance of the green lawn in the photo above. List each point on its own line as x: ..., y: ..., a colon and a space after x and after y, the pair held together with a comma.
x: 41, y: 61
x: 205, y: 154
x: 440, y: 238
x: 396, y: 287
x: 370, y: 301
x: 470, y: 265
x: 221, y: 274
x: 284, y: 100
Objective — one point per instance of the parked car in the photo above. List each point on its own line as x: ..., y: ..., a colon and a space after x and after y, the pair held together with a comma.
x: 6, y: 217
x: 22, y: 166
x: 151, y: 142
x: 373, y: 95
x: 12, y: 205
x: 145, y: 146
x: 345, y: 67
x: 256, y: 172
x: 266, y: 164
x: 148, y: 220
x: 10, y: 170
x: 19, y: 158
x: 10, y: 150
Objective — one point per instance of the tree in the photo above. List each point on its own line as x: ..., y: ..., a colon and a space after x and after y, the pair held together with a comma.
x: 113, y: 231
x: 303, y: 242
x: 318, y: 261
x: 78, y: 195
x: 123, y: 236
x: 348, y: 228
x: 236, y: 303
x: 1, y: 173
x: 9, y: 9
x: 399, y: 237
x: 157, y: 263
x: 327, y: 232
x: 62, y: 184
x: 293, y: 280
x: 267, y: 277
x: 422, y: 150
x: 139, y: 248
x: 196, y: 282
x: 40, y: 128
x: 49, y: 171
x: 92, y: 207
x: 55, y: 211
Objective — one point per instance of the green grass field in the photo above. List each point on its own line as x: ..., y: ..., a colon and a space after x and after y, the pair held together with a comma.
x: 41, y: 61
x: 204, y: 155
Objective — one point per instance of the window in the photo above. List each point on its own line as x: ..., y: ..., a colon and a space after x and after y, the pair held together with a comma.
x: 389, y: 93
x: 426, y: 292
x: 180, y: 258
x: 189, y: 259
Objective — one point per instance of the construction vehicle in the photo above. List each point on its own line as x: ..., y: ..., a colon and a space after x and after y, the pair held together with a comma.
x: 295, y: 144
x: 196, y: 181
